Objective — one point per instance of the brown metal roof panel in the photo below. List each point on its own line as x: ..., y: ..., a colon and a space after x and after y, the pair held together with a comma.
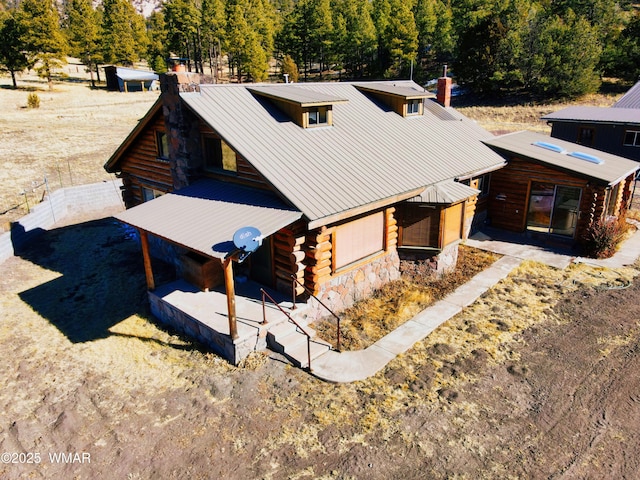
x: 199, y: 219
x: 398, y: 89
x: 631, y: 99
x: 445, y: 193
x: 611, y: 170
x: 294, y: 94
x: 368, y: 154
x: 595, y: 114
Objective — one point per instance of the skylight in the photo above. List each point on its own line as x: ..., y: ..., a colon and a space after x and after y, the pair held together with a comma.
x: 587, y: 157
x: 550, y: 146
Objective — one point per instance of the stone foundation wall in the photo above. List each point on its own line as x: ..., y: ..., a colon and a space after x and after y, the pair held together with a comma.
x: 219, y: 343
x: 344, y: 290
x: 441, y: 263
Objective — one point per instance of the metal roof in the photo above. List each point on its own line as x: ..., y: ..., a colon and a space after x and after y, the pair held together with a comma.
x: 367, y: 155
x: 595, y: 114
x: 523, y: 144
x: 445, y: 193
x: 631, y: 99
x: 292, y: 94
x: 131, y: 74
x: 204, y: 216
x: 395, y: 89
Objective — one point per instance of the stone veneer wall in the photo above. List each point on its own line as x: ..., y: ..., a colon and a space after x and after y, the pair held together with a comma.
x: 220, y: 343
x: 441, y: 263
x: 344, y: 290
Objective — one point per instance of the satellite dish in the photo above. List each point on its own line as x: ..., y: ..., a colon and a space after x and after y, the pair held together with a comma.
x: 247, y: 240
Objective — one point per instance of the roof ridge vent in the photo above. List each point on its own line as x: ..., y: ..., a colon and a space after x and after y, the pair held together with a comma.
x: 550, y: 146
x: 587, y: 157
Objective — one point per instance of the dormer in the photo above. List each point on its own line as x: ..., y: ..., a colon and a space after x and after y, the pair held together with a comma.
x: 402, y: 99
x: 305, y: 107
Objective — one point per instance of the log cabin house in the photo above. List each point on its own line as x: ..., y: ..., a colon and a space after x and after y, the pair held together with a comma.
x: 341, y: 179
x: 554, y: 187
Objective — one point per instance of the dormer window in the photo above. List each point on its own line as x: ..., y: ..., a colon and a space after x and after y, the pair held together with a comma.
x: 306, y: 106
x: 318, y: 116
x: 413, y: 106
x: 404, y: 98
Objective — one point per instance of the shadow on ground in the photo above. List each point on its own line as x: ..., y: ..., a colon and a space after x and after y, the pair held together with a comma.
x: 101, y: 283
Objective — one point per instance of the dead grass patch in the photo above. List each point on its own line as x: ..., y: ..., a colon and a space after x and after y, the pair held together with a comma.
x: 502, y: 119
x: 369, y: 320
x: 68, y: 138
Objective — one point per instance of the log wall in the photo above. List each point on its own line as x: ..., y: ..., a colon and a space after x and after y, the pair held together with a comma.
x: 141, y: 166
x: 510, y: 189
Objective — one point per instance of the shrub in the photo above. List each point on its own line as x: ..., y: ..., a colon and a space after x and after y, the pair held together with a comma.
x: 33, y: 100
x: 603, y: 237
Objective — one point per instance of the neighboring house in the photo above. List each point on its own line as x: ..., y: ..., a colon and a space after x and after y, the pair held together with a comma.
x: 614, y: 130
x: 121, y: 79
x: 341, y: 179
x: 555, y: 187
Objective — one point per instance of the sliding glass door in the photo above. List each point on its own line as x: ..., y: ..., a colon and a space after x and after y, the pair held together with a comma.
x: 553, y: 208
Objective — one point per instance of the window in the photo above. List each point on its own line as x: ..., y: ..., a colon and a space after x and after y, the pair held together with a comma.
x: 632, y: 138
x: 218, y: 156
x: 481, y: 183
x: 358, y: 239
x: 162, y: 145
x: 413, y: 107
x: 585, y: 136
x: 419, y: 224
x: 150, y: 194
x: 318, y: 116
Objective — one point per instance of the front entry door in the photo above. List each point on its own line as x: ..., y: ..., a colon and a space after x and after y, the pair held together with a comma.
x: 262, y: 263
x: 553, y: 209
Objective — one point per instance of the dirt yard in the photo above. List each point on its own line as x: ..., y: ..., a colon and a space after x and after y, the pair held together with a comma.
x: 68, y: 139
x: 538, y: 379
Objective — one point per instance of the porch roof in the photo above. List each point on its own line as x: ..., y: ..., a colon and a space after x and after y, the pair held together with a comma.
x: 204, y: 216
x: 445, y: 193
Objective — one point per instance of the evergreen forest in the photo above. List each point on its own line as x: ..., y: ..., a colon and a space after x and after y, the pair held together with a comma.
x: 542, y: 48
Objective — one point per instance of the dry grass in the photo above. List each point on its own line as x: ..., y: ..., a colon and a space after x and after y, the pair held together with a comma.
x: 369, y: 320
x: 501, y: 119
x: 68, y: 138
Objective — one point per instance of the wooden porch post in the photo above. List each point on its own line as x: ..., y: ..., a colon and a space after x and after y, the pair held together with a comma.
x: 231, y: 297
x: 148, y: 271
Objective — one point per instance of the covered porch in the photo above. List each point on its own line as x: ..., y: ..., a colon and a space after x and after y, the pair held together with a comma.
x: 204, y: 315
x: 217, y: 305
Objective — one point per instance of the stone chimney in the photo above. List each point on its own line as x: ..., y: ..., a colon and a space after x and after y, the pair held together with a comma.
x: 444, y: 89
x: 182, y: 127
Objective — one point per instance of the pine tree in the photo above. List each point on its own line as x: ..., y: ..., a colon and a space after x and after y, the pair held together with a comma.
x: 123, y: 35
x: 157, y: 35
x: 45, y: 43
x: 82, y: 32
x: 13, y: 31
x: 213, y: 33
x: 397, y: 36
x: 355, y: 35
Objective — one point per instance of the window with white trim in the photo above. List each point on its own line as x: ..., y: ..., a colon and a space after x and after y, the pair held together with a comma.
x: 632, y: 138
x: 318, y: 116
x: 413, y: 106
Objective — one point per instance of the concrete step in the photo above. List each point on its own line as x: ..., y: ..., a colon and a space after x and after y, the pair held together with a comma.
x: 288, y: 339
x: 299, y: 355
